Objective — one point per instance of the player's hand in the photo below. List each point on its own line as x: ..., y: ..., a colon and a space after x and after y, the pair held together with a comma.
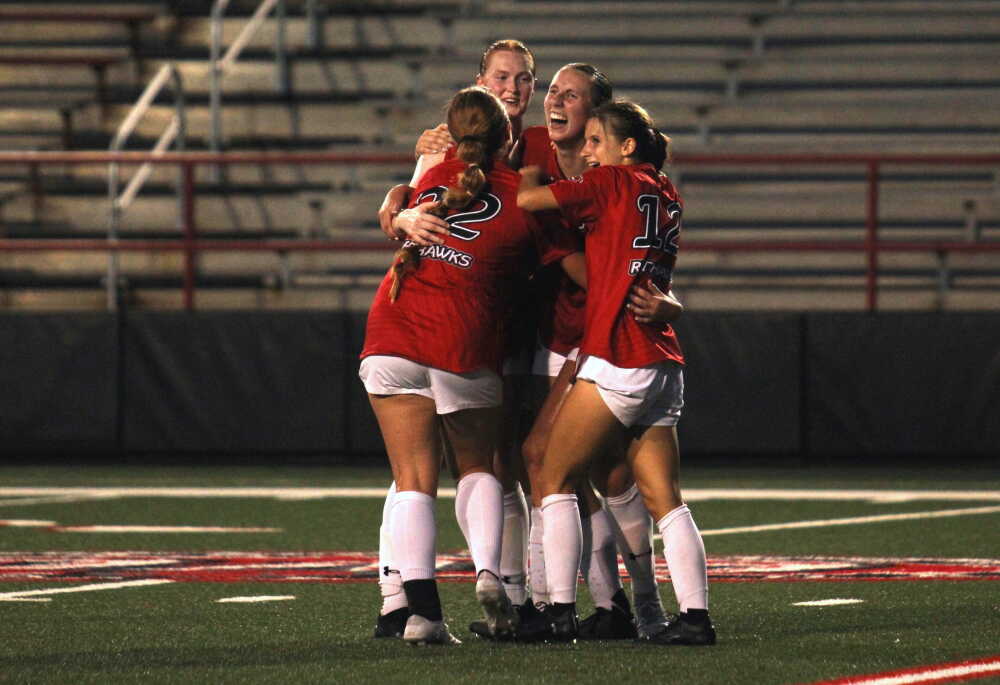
x: 397, y: 198
x: 420, y: 226
x: 649, y: 304
x: 434, y: 141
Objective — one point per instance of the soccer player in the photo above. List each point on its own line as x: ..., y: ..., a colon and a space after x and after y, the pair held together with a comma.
x: 431, y: 359
x: 507, y: 69
x: 575, y: 90
x: 629, y: 384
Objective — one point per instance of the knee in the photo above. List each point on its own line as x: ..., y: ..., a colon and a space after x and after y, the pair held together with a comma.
x: 533, y: 453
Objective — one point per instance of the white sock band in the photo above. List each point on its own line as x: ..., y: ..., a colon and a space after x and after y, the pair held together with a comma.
x: 599, y: 559
x: 536, y: 559
x: 633, y: 528
x: 685, y: 553
x: 479, y: 510
x: 514, y: 549
x: 389, y: 581
x: 414, y: 534
x: 563, y: 542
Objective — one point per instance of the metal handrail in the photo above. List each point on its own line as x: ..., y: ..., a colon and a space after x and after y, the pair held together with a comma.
x: 191, y: 245
x: 175, y: 131
x: 220, y: 62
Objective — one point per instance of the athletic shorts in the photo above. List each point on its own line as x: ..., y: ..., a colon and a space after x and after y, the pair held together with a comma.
x: 648, y: 396
x: 548, y: 363
x: 451, y: 392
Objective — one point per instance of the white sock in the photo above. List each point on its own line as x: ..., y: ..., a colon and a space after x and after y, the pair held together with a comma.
x: 514, y: 550
x: 389, y: 581
x: 536, y: 559
x: 563, y: 541
x: 414, y: 534
x: 599, y: 559
x: 633, y: 528
x: 479, y: 510
x: 685, y: 553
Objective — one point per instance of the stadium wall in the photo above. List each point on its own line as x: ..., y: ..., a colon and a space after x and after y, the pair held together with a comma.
x: 802, y: 387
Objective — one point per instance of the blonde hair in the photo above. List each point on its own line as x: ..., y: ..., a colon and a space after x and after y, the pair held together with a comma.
x: 508, y: 45
x: 479, y: 124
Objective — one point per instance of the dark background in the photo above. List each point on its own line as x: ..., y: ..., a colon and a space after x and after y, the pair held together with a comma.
x: 802, y: 388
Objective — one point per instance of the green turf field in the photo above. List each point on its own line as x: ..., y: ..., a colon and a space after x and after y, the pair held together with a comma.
x: 119, y: 627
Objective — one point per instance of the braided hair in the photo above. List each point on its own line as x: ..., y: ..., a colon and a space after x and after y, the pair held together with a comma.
x: 479, y: 124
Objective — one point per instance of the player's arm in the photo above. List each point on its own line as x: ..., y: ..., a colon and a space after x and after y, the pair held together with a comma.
x: 397, y: 198
x: 420, y: 226
x: 516, y: 156
x: 531, y: 195
x: 649, y: 304
x: 430, y: 152
x: 575, y: 266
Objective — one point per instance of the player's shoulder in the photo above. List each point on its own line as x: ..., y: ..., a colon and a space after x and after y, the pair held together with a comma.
x: 535, y: 134
x: 535, y: 143
x: 441, y: 174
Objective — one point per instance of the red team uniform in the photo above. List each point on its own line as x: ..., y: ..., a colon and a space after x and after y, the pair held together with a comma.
x: 633, y: 220
x: 450, y: 313
x: 561, y: 302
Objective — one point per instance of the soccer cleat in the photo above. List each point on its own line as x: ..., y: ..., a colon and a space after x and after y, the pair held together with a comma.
x: 681, y: 630
x: 553, y: 624
x: 608, y: 624
x: 392, y: 624
x: 525, y: 612
x: 421, y: 631
x: 649, y: 616
x: 501, y: 617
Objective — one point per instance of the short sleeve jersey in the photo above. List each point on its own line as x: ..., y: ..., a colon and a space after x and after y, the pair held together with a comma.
x: 561, y: 301
x: 633, y: 217
x: 450, y: 312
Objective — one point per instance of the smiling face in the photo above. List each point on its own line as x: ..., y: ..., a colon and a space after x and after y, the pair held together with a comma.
x: 508, y: 77
x: 602, y: 148
x: 567, y: 105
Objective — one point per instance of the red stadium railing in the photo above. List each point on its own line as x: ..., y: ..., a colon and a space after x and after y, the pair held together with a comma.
x: 191, y: 245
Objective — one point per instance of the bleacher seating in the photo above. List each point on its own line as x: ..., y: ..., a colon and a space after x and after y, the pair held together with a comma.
x: 736, y: 76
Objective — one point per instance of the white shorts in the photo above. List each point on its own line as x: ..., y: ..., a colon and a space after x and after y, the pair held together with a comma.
x: 647, y: 396
x: 549, y: 363
x: 451, y: 392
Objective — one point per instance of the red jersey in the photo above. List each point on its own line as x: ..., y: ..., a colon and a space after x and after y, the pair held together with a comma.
x: 561, y: 301
x: 450, y: 312
x: 633, y: 217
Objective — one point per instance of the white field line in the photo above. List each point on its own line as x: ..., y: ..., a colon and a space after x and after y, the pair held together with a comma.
x: 82, y: 588
x: 823, y: 523
x: 25, y: 523
x: 54, y: 499
x: 837, y: 601
x: 258, y: 598
x: 305, y: 493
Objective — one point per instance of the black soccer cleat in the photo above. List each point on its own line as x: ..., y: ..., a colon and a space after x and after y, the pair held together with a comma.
x: 392, y: 624
x: 684, y: 630
x: 526, y: 612
x: 556, y: 623
x: 608, y: 624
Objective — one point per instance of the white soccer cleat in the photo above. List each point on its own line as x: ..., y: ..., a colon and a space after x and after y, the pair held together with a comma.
x: 422, y: 631
x: 501, y: 617
x: 650, y: 618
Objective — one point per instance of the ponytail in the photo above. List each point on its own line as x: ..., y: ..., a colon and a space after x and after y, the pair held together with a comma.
x: 478, y: 121
x: 626, y: 119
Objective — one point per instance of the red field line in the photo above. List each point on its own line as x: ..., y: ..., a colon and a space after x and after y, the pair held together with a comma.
x: 952, y: 672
